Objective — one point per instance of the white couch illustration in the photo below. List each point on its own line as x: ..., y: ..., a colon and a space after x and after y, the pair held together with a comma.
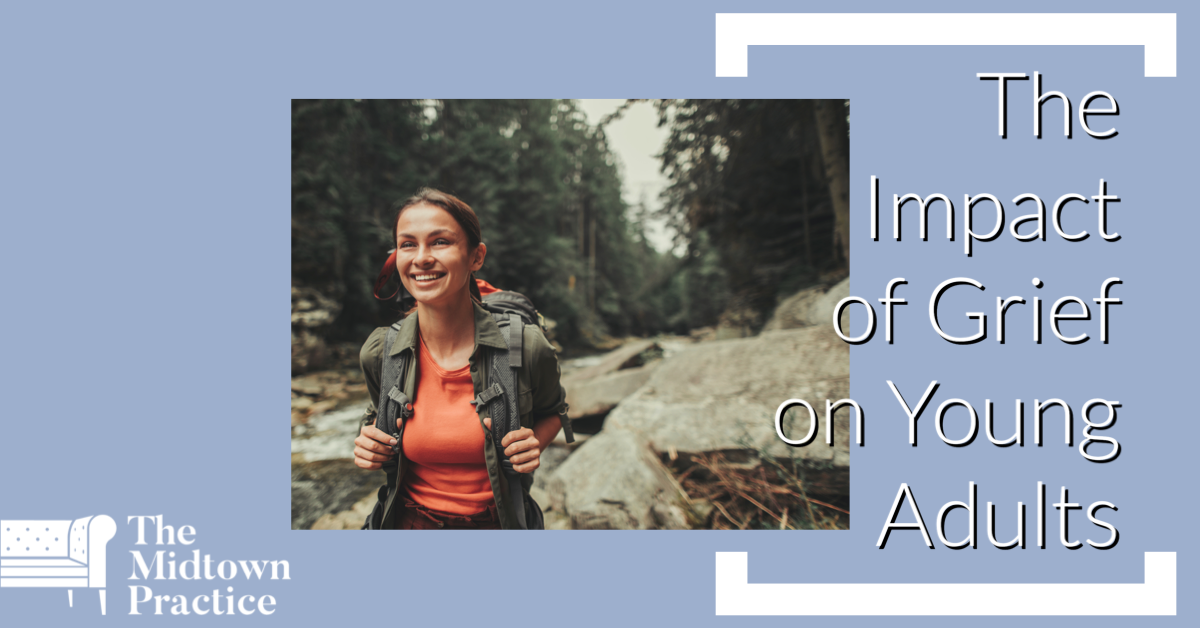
x: 61, y: 554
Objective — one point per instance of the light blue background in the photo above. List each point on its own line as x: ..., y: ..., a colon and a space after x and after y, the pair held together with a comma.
x: 144, y: 262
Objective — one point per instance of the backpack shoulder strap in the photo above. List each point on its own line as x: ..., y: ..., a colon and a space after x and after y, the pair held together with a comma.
x: 515, y: 338
x: 502, y: 398
x: 394, y: 402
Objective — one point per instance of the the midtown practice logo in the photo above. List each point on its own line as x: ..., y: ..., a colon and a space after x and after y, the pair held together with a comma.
x: 60, y: 554
x: 72, y: 554
x: 164, y: 565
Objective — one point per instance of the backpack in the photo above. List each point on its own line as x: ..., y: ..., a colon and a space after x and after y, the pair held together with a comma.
x: 511, y: 311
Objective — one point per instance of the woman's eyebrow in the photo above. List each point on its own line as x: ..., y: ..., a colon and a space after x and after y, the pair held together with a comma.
x: 435, y: 232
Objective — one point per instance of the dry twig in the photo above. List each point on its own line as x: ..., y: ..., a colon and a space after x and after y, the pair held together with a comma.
x: 752, y: 497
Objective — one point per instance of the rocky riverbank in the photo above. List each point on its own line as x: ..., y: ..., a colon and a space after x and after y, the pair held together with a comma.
x: 673, y: 433
x: 326, y: 408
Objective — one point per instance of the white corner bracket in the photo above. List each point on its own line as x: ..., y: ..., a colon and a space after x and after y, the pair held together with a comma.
x: 736, y: 32
x: 736, y: 596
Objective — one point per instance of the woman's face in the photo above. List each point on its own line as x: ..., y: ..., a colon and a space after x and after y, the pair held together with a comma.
x: 432, y: 255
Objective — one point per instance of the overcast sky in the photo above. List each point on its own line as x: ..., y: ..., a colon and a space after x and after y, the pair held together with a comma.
x: 636, y: 139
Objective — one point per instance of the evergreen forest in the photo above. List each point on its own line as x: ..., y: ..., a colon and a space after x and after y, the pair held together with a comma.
x: 749, y: 199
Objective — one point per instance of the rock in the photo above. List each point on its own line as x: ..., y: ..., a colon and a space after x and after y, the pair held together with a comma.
x: 811, y: 307
x: 553, y: 519
x: 624, y: 357
x: 323, y: 406
x: 729, y: 332
x: 616, y: 482
x: 328, y: 435
x: 595, y: 389
x: 561, y: 439
x: 311, y: 312
x: 722, y: 396
x: 738, y: 322
x: 598, y: 395
x: 821, y: 312
x: 329, y: 487
x: 347, y: 519
x: 309, y: 351
x: 307, y: 386
x: 551, y: 458
x: 310, y: 308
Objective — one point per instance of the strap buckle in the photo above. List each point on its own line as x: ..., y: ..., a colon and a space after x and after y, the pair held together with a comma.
x: 401, y: 399
x: 486, y: 396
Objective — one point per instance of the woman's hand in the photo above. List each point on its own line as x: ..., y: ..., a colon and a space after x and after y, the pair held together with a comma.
x: 372, y: 448
x: 522, y: 448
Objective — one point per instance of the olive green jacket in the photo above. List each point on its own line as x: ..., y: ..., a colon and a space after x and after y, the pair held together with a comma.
x: 541, y: 394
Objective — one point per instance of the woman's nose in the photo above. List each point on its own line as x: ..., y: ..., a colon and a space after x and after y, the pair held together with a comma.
x: 424, y: 256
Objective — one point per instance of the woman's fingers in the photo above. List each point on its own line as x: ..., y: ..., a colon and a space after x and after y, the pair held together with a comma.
x: 373, y: 439
x: 524, y: 454
x: 518, y: 435
x: 365, y: 444
x: 527, y: 455
x: 522, y: 448
x: 375, y: 434
x: 371, y: 454
x: 367, y: 459
x: 372, y: 447
x: 527, y: 467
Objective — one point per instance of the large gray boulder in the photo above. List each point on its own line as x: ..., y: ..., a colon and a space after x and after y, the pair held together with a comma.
x: 598, y: 395
x: 811, y: 307
x: 722, y: 396
x: 615, y: 481
x: 623, y: 357
x: 594, y: 390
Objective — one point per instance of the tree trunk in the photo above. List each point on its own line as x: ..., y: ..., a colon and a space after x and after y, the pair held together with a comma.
x: 592, y: 268
x: 834, y: 131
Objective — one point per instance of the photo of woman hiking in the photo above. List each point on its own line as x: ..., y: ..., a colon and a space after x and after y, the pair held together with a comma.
x: 567, y: 314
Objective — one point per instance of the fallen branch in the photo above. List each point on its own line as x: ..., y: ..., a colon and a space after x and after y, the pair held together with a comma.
x: 746, y: 496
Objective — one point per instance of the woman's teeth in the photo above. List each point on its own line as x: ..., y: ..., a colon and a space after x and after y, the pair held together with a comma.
x: 426, y: 277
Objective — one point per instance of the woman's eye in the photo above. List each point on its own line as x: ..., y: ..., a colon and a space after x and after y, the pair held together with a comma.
x: 407, y: 245
x: 441, y: 242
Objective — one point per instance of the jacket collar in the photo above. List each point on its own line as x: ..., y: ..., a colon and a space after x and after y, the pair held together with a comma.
x: 486, y: 332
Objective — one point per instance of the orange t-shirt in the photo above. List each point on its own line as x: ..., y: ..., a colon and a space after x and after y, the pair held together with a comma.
x: 443, y: 443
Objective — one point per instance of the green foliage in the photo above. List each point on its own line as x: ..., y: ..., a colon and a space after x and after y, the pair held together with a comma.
x: 542, y: 180
x: 748, y: 196
x: 749, y: 193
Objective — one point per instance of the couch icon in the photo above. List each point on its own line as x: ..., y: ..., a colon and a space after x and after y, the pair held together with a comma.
x: 60, y: 554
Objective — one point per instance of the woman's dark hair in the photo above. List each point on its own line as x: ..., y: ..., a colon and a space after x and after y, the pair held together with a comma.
x: 460, y: 211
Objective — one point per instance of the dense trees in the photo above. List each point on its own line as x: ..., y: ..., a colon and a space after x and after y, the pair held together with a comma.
x: 544, y: 184
x: 749, y: 190
x: 749, y: 195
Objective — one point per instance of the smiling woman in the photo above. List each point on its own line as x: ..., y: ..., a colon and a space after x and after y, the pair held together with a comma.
x: 443, y: 467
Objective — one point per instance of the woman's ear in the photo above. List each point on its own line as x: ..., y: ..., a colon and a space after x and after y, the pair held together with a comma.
x: 480, y: 254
